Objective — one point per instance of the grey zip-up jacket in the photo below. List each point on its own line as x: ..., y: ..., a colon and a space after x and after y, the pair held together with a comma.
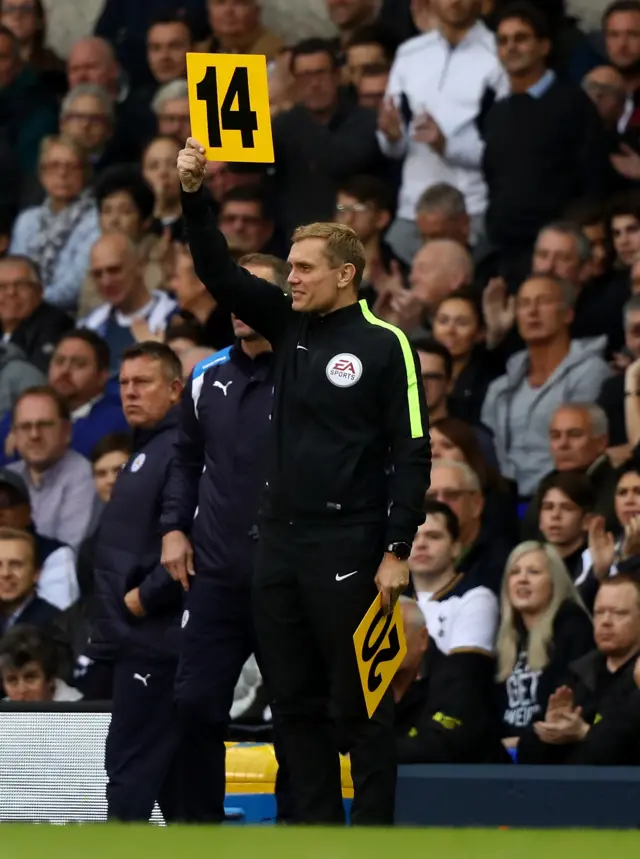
x: 577, y: 379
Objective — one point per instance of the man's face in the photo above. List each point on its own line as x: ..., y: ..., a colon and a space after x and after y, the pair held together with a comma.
x: 42, y: 437
x: 147, y: 393
x: 573, y: 447
x: 174, y: 120
x: 557, y: 254
x: 243, y: 226
x: 348, y: 14
x: 519, y: 49
x: 27, y: 683
x: 233, y: 18
x: 632, y: 332
x: 21, y: 17
x: 360, y: 56
x: 106, y: 471
x: 73, y: 372
x: 440, y: 225
x: 597, y: 236
x: 14, y: 511
x: 61, y: 173
x: 316, y: 81
x: 372, y: 89
x: 167, y: 47
x: 540, y: 311
x: 219, y: 179
x: 119, y: 214
x: 365, y: 218
x: 430, y: 279
x: 627, y: 498
x: 622, y: 40
x: 18, y: 574
x: 459, y: 14
x: 606, y: 88
x: 185, y: 284
x: 159, y: 169
x: 561, y: 521
x: 20, y: 293
x: 8, y: 64
x: 625, y: 232
x: 87, y: 122
x: 616, y: 619
x: 434, y: 379
x: 315, y: 285
x: 90, y: 63
x: 433, y: 551
x: 114, y: 269
x: 448, y: 486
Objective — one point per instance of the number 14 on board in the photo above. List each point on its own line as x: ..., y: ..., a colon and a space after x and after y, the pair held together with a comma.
x: 229, y: 106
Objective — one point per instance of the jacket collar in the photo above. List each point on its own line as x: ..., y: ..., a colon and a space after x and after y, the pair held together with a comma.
x: 142, y: 437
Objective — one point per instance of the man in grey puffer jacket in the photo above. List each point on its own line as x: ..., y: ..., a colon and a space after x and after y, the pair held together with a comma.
x: 552, y: 370
x: 16, y: 375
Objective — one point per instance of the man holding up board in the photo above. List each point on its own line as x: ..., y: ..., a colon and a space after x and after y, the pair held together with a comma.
x: 348, y: 470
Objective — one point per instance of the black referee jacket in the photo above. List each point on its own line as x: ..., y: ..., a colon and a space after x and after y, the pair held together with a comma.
x: 350, y: 439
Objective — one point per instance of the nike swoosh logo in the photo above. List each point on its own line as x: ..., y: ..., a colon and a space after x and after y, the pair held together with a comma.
x: 304, y: 348
x: 347, y: 576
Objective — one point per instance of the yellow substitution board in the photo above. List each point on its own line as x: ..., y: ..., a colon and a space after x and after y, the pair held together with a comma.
x: 380, y: 648
x: 229, y: 106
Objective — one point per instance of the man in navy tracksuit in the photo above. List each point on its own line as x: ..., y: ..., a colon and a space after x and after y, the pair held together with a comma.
x: 218, y: 475
x: 137, y: 604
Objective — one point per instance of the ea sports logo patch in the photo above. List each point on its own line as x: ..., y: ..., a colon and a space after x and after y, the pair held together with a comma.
x: 344, y: 370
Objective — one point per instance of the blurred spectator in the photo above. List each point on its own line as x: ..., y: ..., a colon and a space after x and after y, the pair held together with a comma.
x: 19, y: 603
x: 434, y: 98
x: 605, y: 86
x: 483, y: 549
x: 29, y: 668
x: 247, y: 223
x: 237, y: 29
x: 567, y: 503
x: 458, y: 324
x: 624, y: 223
x: 27, y: 21
x: 632, y: 413
x: 171, y: 107
x: 58, y: 235
x: 27, y: 320
x: 58, y: 479
x: 349, y: 15
x: 88, y: 117
x: 365, y: 47
x: 372, y: 86
x: 195, y: 304
x: 130, y: 311
x: 16, y: 375
x: 436, y: 367
x: 563, y: 160
x: 612, y: 396
x: 56, y: 562
x: 461, y: 613
x: 126, y: 203
x: 441, y: 714
x: 27, y: 112
x: 365, y: 204
x: 591, y: 218
x: 621, y: 24
x: 191, y: 358
x: 441, y: 213
x: 92, y: 61
x: 221, y: 177
x: 169, y: 39
x: 159, y: 170
x: 593, y: 720
x: 553, y: 369
x: 544, y: 627
x: 183, y: 337
x: 321, y: 140
x: 126, y: 25
x: 281, y: 85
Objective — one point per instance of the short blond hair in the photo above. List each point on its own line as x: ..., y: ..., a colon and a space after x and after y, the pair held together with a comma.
x: 279, y: 268
x: 342, y: 245
x: 52, y: 140
x: 10, y: 534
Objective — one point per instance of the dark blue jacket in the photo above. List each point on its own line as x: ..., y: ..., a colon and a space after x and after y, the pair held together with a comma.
x: 224, y: 425
x: 128, y: 551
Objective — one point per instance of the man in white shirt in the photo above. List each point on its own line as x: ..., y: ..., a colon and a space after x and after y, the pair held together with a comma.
x: 440, y: 82
x: 461, y: 615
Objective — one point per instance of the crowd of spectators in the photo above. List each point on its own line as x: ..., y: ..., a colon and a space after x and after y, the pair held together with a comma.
x: 487, y: 155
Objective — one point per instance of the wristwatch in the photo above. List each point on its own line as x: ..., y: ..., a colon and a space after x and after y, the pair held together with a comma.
x: 400, y: 550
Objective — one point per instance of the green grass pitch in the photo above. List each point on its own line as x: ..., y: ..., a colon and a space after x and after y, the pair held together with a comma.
x: 114, y: 841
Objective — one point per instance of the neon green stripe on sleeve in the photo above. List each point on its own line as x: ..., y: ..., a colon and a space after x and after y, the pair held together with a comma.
x: 415, y: 416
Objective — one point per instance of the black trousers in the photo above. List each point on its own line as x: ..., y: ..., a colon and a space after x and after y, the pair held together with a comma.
x: 140, y: 754
x: 217, y: 639
x: 312, y: 588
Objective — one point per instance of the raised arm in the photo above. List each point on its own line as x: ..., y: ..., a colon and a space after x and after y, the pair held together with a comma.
x: 257, y: 302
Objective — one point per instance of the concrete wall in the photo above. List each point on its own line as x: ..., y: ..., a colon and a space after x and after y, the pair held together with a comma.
x: 70, y: 19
